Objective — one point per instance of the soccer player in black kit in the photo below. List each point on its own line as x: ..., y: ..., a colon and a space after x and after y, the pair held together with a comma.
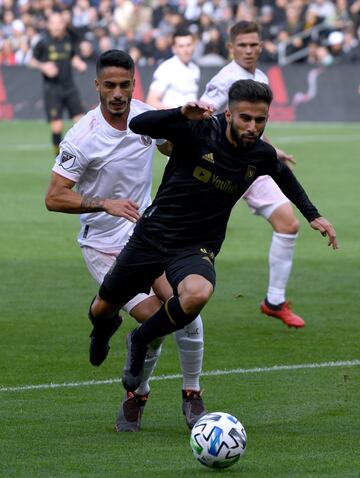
x: 214, y: 161
x: 54, y: 56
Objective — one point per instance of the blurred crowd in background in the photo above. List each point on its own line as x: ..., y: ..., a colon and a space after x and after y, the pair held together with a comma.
x: 310, y: 31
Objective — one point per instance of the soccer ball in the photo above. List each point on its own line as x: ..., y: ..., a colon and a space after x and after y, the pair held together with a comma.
x: 218, y: 440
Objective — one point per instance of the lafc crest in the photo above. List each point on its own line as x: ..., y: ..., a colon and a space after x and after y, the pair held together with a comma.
x: 250, y: 173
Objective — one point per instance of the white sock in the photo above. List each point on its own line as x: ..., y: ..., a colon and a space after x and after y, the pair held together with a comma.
x: 190, y: 343
x: 151, y: 359
x: 280, y: 262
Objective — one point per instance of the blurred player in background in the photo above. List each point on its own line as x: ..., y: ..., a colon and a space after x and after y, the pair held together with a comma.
x: 176, y: 80
x: 54, y: 56
x: 263, y: 197
x: 111, y: 168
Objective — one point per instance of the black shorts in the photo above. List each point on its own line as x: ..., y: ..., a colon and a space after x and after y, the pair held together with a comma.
x: 140, y: 263
x: 57, y: 99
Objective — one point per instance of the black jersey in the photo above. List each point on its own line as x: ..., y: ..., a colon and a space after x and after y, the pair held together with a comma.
x: 204, y: 178
x: 60, y: 51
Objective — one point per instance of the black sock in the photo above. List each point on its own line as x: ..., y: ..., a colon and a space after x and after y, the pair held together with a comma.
x: 56, y: 140
x: 169, y: 318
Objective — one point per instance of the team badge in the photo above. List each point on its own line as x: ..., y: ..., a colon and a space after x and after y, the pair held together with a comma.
x: 211, y: 91
x: 208, y: 157
x: 145, y: 140
x: 250, y: 173
x: 67, y: 160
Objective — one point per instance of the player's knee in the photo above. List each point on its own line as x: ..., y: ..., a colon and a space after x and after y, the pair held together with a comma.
x: 290, y: 225
x: 284, y: 221
x: 195, y: 298
x: 145, y: 309
x: 102, y: 309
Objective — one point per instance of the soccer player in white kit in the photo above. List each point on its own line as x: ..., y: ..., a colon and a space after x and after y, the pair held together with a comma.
x: 176, y: 80
x: 111, y: 168
x: 264, y: 197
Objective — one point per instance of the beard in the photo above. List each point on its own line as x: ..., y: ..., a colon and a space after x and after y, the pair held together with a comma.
x: 241, y: 139
x: 115, y: 108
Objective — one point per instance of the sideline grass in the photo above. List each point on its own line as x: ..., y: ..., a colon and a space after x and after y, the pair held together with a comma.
x: 302, y: 423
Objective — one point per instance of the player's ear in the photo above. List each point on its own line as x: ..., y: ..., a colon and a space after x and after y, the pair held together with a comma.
x: 228, y: 116
x: 97, y: 84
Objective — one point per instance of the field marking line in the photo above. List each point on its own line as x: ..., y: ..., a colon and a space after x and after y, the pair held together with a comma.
x: 281, y: 139
x: 210, y: 373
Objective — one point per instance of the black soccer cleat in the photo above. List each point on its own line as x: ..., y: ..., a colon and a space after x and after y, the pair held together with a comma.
x: 100, y: 335
x: 134, y: 367
x: 131, y: 412
x: 192, y: 406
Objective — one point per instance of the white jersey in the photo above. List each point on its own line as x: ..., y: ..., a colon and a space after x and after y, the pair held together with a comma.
x: 177, y: 82
x: 108, y: 163
x: 217, y: 89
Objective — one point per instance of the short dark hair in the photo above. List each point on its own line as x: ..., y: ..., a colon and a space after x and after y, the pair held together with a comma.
x: 244, y: 27
x: 250, y: 90
x: 181, y: 32
x: 117, y: 58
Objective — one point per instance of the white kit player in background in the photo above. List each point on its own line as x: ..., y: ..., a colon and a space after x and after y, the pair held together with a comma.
x: 111, y: 168
x: 264, y: 196
x: 176, y: 81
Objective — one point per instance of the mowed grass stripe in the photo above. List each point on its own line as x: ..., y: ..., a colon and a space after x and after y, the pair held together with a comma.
x: 210, y: 373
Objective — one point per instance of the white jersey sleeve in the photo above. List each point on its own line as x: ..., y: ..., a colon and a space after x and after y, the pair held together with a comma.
x: 217, y: 89
x: 216, y: 93
x: 161, y: 78
x: 70, y: 162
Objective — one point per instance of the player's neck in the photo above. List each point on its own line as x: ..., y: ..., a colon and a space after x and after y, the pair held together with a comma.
x: 251, y: 70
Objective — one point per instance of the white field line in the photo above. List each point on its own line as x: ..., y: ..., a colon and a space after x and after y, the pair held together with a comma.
x: 281, y: 139
x: 210, y: 373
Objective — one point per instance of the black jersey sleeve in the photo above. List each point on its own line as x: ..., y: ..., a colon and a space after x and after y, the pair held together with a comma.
x: 40, y: 51
x: 170, y: 124
x: 293, y: 190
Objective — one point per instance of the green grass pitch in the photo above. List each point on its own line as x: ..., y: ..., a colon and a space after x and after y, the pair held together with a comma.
x: 301, y: 422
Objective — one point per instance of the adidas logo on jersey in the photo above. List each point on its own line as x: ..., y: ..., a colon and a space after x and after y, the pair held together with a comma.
x: 208, y: 157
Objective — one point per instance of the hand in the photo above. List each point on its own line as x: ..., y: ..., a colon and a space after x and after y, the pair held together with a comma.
x: 79, y: 64
x: 197, y: 110
x: 323, y: 225
x: 288, y: 159
x: 49, y: 69
x: 122, y: 208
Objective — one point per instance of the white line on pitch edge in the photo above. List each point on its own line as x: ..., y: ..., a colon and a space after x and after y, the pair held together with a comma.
x: 282, y: 139
x: 210, y: 373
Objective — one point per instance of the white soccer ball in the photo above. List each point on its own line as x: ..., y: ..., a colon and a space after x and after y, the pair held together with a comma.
x: 218, y: 440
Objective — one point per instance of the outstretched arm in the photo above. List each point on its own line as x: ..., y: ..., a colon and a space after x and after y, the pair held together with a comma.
x: 197, y: 110
x: 61, y: 197
x: 297, y: 195
x: 171, y: 123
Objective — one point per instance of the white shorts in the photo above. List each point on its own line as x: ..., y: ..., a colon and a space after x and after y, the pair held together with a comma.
x: 264, y: 196
x: 98, y: 264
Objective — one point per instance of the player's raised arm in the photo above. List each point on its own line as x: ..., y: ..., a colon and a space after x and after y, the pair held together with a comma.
x: 197, y: 110
x: 171, y: 123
